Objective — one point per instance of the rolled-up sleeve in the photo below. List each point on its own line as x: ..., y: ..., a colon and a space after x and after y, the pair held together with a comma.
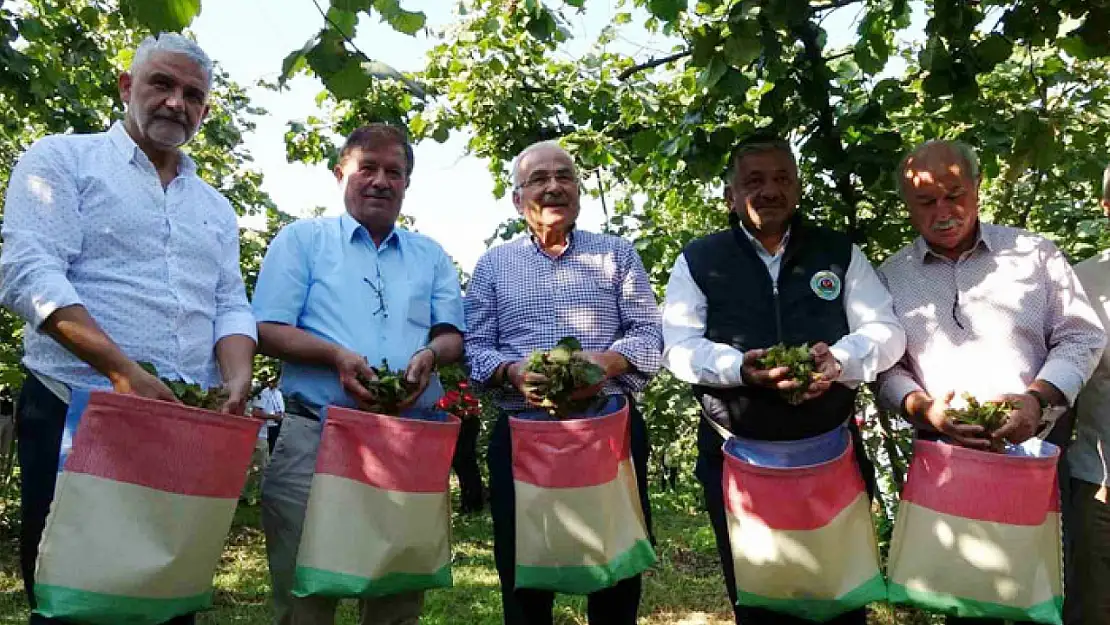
x: 447, y: 304
x: 283, y: 280
x: 641, y: 342
x: 895, y: 384
x: 480, y: 305
x: 42, y: 234
x: 1076, y: 337
x: 233, y: 311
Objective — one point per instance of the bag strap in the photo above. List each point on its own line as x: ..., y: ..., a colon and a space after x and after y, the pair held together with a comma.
x: 718, y: 428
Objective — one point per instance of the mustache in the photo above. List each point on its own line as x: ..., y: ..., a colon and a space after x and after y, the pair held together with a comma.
x: 947, y: 224
x: 380, y: 194
x: 553, y: 197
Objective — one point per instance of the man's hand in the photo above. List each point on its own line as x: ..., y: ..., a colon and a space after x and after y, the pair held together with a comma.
x: 238, y: 393
x: 134, y: 380
x: 419, y: 372
x: 931, y: 412
x: 777, y: 379
x: 612, y: 363
x: 828, y: 366
x: 1022, y: 423
x: 531, y: 385
x: 349, y: 366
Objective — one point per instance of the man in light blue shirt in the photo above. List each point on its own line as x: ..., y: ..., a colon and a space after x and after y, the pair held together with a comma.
x: 116, y: 252
x: 334, y: 296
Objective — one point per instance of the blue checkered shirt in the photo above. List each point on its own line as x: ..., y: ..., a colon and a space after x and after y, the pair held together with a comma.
x: 520, y: 300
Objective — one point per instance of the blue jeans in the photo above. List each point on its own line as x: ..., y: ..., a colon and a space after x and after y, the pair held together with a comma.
x: 40, y: 420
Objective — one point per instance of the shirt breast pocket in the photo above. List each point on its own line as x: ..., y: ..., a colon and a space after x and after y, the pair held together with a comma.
x: 420, y: 310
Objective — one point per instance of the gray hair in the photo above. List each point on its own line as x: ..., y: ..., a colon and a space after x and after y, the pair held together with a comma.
x: 969, y: 161
x: 758, y: 145
x: 175, y: 43
x: 515, y: 172
x: 1106, y: 184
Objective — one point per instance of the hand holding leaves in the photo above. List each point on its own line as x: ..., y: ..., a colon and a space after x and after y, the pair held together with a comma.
x: 559, y: 377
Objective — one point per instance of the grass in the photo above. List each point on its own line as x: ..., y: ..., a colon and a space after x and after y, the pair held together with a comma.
x: 685, y: 588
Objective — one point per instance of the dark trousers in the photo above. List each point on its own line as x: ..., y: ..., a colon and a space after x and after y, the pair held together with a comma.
x: 613, y: 606
x: 709, y: 471
x: 1088, y: 590
x: 465, y: 464
x: 272, y: 431
x: 40, y: 419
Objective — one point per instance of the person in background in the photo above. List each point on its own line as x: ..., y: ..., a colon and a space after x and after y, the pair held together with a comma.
x: 272, y: 405
x: 1089, y: 532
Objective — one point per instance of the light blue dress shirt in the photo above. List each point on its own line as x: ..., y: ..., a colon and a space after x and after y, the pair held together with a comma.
x: 87, y: 221
x: 324, y: 276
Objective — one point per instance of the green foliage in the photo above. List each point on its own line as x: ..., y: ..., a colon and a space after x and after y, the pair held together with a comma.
x: 989, y: 415
x: 799, y: 360
x: 388, y: 388
x: 566, y: 372
x: 162, y: 15
x: 191, y: 394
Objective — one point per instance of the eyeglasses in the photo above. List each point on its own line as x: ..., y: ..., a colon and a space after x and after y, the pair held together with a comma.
x: 563, y: 177
x: 379, y: 290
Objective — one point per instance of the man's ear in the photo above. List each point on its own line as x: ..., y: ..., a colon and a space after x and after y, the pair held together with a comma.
x: 338, y: 171
x: 729, y: 197
x: 125, y: 82
x: 516, y: 201
x: 1106, y: 206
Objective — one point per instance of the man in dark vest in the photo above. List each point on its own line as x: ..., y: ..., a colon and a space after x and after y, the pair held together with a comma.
x: 772, y: 278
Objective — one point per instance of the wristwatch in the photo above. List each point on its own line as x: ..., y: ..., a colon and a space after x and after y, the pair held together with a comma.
x: 1049, y: 412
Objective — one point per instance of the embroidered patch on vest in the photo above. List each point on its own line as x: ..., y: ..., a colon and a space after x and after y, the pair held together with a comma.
x: 826, y: 285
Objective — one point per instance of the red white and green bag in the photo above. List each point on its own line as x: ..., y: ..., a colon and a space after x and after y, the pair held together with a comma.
x: 142, y: 507
x: 799, y: 523
x: 978, y: 533
x: 579, y: 524
x: 378, y: 520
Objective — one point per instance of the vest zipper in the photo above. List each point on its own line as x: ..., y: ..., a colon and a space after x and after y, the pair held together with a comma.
x: 778, y: 312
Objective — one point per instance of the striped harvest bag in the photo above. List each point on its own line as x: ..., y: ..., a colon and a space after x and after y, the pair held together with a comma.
x: 143, y: 503
x: 579, y: 524
x: 978, y: 533
x: 799, y: 522
x: 378, y: 520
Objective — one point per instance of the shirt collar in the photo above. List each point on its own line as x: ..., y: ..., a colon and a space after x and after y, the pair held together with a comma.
x: 131, y: 151
x: 983, y: 237
x: 570, y: 241
x: 351, y: 228
x: 759, y: 246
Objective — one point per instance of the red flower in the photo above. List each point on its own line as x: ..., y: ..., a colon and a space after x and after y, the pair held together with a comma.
x: 452, y: 396
x: 463, y: 385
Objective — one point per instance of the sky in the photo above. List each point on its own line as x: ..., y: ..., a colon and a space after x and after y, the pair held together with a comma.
x: 451, y: 194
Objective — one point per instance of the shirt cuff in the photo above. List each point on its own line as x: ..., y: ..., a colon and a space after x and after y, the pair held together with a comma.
x: 893, y: 391
x: 1062, y: 375
x: 231, y: 323
x: 56, y: 295
x: 484, y: 365
x: 641, y: 357
x: 851, y: 370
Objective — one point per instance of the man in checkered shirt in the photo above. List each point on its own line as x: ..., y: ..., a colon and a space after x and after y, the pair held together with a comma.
x: 524, y: 296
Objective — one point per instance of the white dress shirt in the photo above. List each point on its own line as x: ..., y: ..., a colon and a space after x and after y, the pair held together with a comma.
x: 271, y: 401
x: 874, y: 343
x: 87, y: 221
x: 1006, y: 312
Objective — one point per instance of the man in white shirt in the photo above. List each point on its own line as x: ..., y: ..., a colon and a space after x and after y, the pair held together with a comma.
x: 1089, y: 602
x: 772, y: 278
x: 115, y: 252
x: 272, y: 405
